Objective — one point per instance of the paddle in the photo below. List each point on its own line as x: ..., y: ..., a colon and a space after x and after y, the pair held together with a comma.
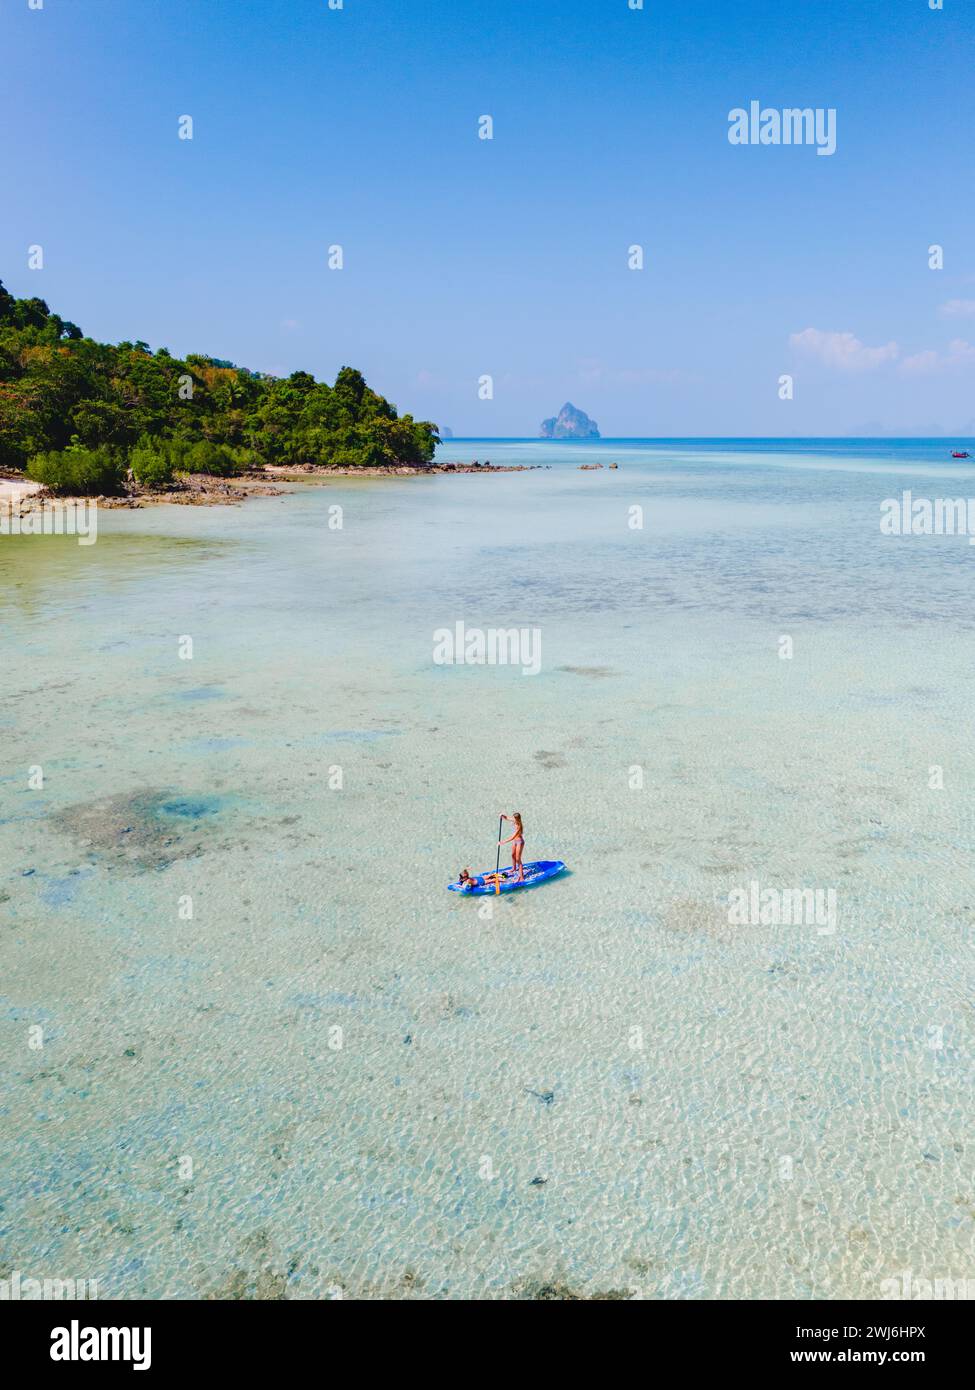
x: 497, y: 863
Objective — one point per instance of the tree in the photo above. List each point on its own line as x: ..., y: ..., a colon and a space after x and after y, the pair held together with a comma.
x: 78, y: 471
x: 199, y: 413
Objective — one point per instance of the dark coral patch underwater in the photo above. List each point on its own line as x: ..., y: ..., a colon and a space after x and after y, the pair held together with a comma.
x: 143, y: 830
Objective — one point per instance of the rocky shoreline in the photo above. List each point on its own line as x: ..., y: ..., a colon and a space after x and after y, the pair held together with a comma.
x: 392, y: 470
x: 201, y: 490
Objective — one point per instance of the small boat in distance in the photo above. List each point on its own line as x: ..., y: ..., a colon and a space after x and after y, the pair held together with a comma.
x: 960, y: 454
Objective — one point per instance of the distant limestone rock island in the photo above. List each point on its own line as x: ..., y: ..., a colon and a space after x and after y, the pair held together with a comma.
x: 570, y: 423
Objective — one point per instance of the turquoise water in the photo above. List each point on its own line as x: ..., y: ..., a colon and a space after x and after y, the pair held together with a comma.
x: 336, y: 1078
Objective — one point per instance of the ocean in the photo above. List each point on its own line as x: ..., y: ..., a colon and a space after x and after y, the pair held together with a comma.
x: 252, y: 1046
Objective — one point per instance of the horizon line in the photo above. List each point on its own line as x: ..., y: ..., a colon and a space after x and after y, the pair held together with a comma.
x: 684, y: 438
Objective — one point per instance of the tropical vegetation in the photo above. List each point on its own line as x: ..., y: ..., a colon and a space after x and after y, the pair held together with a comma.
x: 88, y: 417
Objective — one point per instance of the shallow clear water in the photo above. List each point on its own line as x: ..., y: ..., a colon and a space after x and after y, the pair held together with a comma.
x: 715, y: 1110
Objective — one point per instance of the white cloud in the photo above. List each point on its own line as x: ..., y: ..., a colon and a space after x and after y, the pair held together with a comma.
x: 921, y: 364
x: 843, y: 350
x: 957, y: 309
x: 928, y: 363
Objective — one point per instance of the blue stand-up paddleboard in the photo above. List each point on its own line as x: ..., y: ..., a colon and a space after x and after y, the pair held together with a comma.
x: 508, y: 881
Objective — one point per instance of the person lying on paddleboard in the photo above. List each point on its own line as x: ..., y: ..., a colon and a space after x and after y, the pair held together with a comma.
x: 517, y: 843
x: 468, y: 880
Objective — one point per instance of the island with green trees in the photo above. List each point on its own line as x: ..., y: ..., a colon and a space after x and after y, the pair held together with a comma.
x: 84, y: 418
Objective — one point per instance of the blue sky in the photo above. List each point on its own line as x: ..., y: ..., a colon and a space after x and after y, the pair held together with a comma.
x: 508, y: 257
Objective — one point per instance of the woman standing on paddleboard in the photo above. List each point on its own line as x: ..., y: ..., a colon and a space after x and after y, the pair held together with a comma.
x: 517, y: 843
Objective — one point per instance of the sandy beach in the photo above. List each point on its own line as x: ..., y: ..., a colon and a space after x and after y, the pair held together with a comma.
x: 14, y: 490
